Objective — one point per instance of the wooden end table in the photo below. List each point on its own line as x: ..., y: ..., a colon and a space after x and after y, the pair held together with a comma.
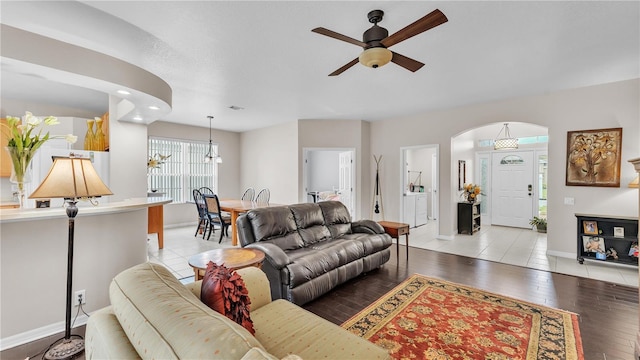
x: 395, y: 230
x: 232, y: 258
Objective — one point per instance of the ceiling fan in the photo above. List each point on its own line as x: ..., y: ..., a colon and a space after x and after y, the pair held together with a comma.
x: 376, y: 41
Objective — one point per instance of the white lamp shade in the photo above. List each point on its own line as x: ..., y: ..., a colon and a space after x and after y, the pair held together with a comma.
x: 375, y: 57
x: 505, y: 143
x: 71, y: 178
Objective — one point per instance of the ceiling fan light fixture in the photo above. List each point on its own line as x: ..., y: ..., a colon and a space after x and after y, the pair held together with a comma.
x: 375, y: 57
x: 507, y: 142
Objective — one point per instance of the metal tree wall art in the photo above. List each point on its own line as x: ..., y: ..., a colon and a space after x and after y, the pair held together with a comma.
x: 593, y: 157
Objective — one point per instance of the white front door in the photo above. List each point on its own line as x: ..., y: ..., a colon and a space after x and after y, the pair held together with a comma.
x: 512, y: 188
x: 345, y: 186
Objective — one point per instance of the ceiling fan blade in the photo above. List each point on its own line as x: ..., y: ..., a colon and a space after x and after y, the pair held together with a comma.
x: 429, y: 21
x: 342, y: 69
x: 335, y: 35
x: 405, y: 62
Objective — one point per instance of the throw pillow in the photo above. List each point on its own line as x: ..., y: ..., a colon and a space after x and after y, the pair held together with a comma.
x: 224, y: 291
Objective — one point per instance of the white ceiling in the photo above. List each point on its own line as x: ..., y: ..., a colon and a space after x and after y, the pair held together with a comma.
x: 262, y: 55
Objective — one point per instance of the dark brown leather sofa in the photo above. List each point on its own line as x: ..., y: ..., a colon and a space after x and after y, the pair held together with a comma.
x: 311, y: 248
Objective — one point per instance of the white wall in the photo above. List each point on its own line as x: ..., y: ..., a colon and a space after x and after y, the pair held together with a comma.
x: 228, y: 171
x: 269, y: 159
x: 602, y: 106
x: 419, y: 160
x: 33, y: 260
x: 324, y: 170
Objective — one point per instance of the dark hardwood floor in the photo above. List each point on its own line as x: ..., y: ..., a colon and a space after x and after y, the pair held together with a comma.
x: 608, y: 312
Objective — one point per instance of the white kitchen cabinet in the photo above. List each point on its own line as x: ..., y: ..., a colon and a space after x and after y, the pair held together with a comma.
x: 415, y: 209
x: 421, y: 209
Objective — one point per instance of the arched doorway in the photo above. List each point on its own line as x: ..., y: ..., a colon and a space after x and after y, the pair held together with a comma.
x: 513, y: 181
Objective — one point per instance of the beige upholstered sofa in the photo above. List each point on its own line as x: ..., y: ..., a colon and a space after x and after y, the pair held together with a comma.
x: 153, y: 315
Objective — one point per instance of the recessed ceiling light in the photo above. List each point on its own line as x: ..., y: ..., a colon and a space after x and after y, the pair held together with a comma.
x: 233, y: 107
x: 123, y: 92
x: 137, y: 118
x: 153, y: 107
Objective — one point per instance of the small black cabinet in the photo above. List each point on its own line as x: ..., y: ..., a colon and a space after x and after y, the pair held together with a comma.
x: 597, y: 235
x: 468, y: 217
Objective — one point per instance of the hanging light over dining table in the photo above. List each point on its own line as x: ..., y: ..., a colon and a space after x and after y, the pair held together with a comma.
x: 211, y: 156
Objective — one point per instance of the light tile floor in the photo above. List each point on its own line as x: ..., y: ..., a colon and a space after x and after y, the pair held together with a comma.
x: 521, y: 247
x: 179, y: 245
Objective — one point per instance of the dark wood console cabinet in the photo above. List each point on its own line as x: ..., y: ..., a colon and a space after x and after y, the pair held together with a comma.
x: 618, y: 233
x: 468, y: 217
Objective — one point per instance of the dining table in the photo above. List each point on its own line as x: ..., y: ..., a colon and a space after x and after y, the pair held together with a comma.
x: 237, y: 207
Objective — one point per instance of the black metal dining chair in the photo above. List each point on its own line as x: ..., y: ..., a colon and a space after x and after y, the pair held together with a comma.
x: 263, y: 196
x: 248, y: 194
x: 203, y: 219
x: 206, y: 191
x: 215, y: 216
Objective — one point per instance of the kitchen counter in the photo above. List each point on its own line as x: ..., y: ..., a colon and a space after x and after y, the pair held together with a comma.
x: 84, y: 209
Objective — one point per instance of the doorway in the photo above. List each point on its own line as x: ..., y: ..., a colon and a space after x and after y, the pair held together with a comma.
x: 329, y: 174
x: 419, y: 186
x: 512, y: 188
x: 484, y: 174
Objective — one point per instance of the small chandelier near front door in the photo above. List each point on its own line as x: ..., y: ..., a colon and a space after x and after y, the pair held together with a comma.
x: 507, y: 142
x: 211, y: 156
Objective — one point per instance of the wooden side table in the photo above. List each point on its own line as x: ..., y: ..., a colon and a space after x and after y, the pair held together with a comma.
x: 232, y: 258
x: 395, y: 230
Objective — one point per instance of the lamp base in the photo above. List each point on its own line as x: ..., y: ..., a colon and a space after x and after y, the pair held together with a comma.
x: 65, y: 350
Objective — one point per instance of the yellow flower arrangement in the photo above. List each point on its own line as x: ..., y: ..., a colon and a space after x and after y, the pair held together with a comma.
x: 471, y: 192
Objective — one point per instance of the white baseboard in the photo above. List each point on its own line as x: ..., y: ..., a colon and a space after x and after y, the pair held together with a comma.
x: 445, y: 237
x: 39, y: 333
x: 562, y: 254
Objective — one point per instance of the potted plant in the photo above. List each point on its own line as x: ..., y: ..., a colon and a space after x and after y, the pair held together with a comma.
x: 539, y: 223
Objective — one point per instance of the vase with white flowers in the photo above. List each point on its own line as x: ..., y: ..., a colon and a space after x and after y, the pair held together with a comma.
x: 24, y: 139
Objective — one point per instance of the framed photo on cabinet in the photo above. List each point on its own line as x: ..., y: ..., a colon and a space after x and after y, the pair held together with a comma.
x: 590, y: 227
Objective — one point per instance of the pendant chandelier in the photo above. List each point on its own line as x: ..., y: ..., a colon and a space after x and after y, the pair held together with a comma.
x: 506, y: 142
x: 211, y: 156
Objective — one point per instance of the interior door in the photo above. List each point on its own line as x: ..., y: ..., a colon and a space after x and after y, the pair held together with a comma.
x: 345, y: 181
x: 512, y: 192
x: 434, y: 186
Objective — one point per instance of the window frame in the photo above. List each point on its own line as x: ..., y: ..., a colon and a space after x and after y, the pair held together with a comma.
x: 181, y: 170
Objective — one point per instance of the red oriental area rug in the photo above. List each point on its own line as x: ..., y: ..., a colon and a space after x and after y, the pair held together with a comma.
x: 426, y: 318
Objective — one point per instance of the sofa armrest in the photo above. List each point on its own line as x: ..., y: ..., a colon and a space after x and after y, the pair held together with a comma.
x: 274, y: 255
x: 274, y: 265
x: 367, y: 226
x: 105, y: 338
x: 254, y: 279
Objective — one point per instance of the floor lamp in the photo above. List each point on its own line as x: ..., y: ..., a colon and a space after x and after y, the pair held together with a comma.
x: 70, y: 178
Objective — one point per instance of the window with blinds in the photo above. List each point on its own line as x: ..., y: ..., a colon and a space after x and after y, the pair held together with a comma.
x: 184, y: 170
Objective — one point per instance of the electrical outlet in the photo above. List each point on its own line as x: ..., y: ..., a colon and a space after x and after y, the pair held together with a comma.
x: 80, y: 297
